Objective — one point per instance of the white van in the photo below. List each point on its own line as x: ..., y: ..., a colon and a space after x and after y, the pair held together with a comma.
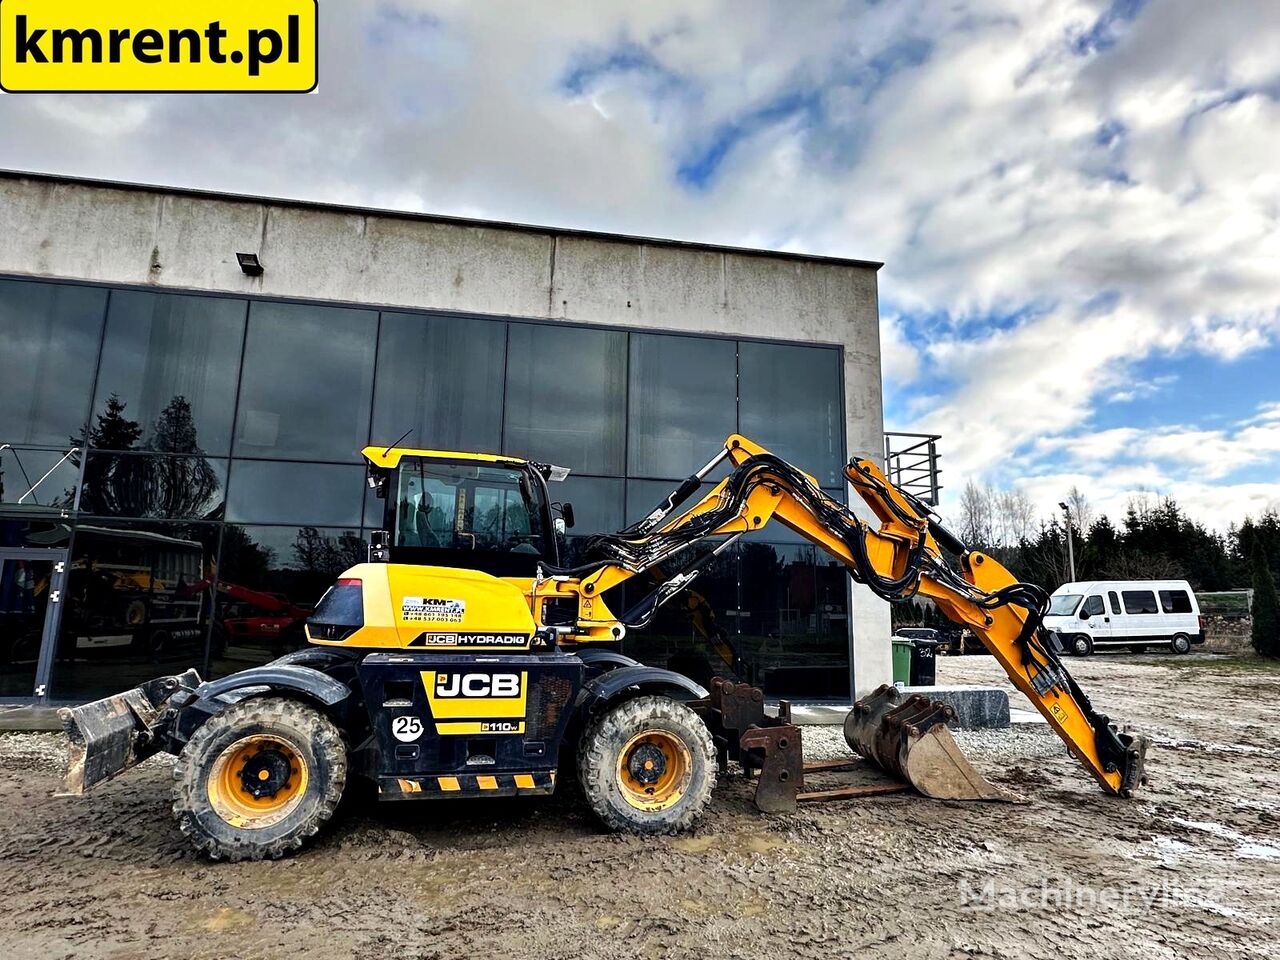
x: 1132, y: 613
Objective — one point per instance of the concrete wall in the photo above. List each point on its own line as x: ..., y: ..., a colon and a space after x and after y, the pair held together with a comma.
x: 180, y: 240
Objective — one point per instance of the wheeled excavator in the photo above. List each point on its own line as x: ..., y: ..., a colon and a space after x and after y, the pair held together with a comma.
x: 467, y: 658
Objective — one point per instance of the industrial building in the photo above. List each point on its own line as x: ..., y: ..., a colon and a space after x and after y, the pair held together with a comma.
x: 187, y: 378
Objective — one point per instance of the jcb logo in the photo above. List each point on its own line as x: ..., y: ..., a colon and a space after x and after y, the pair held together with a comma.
x: 477, y: 684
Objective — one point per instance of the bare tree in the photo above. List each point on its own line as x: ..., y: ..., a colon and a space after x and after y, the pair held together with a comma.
x: 1081, y: 510
x: 977, y: 514
x: 1016, y: 517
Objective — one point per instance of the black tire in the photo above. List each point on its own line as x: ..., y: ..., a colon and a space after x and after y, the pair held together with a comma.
x: 1180, y: 643
x: 315, y: 762
x: 617, y: 796
x: 1137, y: 648
x: 1081, y: 645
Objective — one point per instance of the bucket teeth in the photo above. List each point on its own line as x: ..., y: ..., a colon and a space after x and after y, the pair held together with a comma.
x: 907, y: 737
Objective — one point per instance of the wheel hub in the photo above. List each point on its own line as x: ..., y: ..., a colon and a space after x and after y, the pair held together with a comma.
x: 647, y: 764
x: 265, y: 774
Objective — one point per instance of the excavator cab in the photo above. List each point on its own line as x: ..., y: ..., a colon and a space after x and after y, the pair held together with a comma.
x: 470, y: 511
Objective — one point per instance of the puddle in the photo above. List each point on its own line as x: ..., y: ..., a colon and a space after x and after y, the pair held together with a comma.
x: 744, y: 845
x: 1247, y: 848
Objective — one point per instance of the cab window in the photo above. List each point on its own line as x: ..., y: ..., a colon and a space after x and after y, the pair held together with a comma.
x: 1092, y: 607
x: 466, y: 514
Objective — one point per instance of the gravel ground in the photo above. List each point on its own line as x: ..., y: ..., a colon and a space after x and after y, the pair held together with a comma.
x: 1189, y: 869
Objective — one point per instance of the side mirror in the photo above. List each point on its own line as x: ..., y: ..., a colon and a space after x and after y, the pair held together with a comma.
x: 1085, y: 614
x: 566, y: 513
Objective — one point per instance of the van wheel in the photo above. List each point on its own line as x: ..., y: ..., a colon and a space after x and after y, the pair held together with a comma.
x: 647, y: 766
x: 1180, y: 643
x: 1082, y: 645
x: 1137, y: 648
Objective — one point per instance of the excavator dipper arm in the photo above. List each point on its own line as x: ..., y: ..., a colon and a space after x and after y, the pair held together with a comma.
x: 900, y: 559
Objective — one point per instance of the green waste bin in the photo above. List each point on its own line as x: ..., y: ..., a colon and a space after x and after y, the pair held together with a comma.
x: 902, y: 647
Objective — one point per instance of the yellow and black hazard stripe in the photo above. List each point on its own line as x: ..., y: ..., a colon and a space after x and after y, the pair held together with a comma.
x: 469, y: 784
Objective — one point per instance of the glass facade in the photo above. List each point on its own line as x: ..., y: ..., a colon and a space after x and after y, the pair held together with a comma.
x: 196, y: 461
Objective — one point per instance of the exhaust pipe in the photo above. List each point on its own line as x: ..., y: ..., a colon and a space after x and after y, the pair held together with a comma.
x: 107, y: 737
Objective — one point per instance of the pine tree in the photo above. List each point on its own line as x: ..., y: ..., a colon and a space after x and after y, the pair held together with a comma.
x: 1266, y: 607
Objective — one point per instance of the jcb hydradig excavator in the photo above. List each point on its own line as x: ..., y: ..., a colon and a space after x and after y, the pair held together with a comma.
x: 464, y: 660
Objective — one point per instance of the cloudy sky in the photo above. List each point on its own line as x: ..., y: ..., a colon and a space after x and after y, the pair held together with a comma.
x: 1077, y: 201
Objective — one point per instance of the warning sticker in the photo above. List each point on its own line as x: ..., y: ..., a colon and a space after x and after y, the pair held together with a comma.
x: 433, y: 609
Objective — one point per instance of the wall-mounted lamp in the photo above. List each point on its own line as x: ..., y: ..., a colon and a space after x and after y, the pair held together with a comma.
x: 250, y: 264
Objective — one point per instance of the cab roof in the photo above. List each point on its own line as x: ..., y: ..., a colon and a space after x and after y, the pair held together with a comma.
x: 391, y: 456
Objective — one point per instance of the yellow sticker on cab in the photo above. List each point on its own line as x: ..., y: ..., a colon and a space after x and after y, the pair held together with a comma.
x: 141, y: 46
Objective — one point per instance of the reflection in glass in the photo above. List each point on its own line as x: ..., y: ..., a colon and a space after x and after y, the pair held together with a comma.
x: 693, y: 633
x: 268, y: 583
x: 566, y: 397
x: 49, y: 334
x: 38, y: 478
x: 138, y: 602
x: 597, y: 503
x: 155, y: 486
x: 790, y: 404
x: 682, y: 403
x: 264, y: 491
x: 24, y: 600
x: 440, y: 377
x: 307, y: 383
x: 173, y: 361
x: 793, y: 621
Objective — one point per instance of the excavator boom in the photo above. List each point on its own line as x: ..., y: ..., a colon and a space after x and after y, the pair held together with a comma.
x: 899, y: 559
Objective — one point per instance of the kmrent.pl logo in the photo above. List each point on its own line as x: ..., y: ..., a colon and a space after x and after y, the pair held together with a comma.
x: 117, y: 46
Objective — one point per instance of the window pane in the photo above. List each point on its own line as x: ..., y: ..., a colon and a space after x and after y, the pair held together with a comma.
x: 1175, y: 601
x: 1139, y: 601
x: 138, y: 600
x: 442, y: 378
x: 644, y: 495
x: 260, y: 491
x: 22, y: 477
x: 269, y: 580
x: 1093, y: 607
x: 791, y: 405
x: 693, y: 633
x: 50, y: 334
x: 1115, y: 601
x: 163, y: 487
x: 173, y: 362
x: 307, y: 383
x: 794, y: 620
x: 566, y: 397
x: 681, y: 405
x: 597, y: 503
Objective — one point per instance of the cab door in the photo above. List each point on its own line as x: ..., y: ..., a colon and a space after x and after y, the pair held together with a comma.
x: 1094, y: 618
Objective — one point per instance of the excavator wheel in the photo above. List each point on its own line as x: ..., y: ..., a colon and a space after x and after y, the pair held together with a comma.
x: 259, y: 780
x: 647, y: 766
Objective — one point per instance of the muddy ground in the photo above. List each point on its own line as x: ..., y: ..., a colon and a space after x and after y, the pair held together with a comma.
x: 1192, y: 869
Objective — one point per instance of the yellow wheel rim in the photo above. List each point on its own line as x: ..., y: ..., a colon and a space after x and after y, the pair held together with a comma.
x: 257, y: 781
x: 654, y: 769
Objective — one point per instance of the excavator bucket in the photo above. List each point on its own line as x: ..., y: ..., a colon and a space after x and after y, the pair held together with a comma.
x: 107, y: 737
x: 907, y: 737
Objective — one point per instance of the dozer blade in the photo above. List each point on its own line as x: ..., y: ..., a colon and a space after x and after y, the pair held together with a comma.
x: 907, y: 737
x: 107, y: 737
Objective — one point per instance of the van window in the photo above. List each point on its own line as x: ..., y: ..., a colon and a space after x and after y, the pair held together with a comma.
x: 1064, y: 604
x: 1140, y: 601
x: 1175, y: 601
x: 1115, y: 602
x: 1092, y: 607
